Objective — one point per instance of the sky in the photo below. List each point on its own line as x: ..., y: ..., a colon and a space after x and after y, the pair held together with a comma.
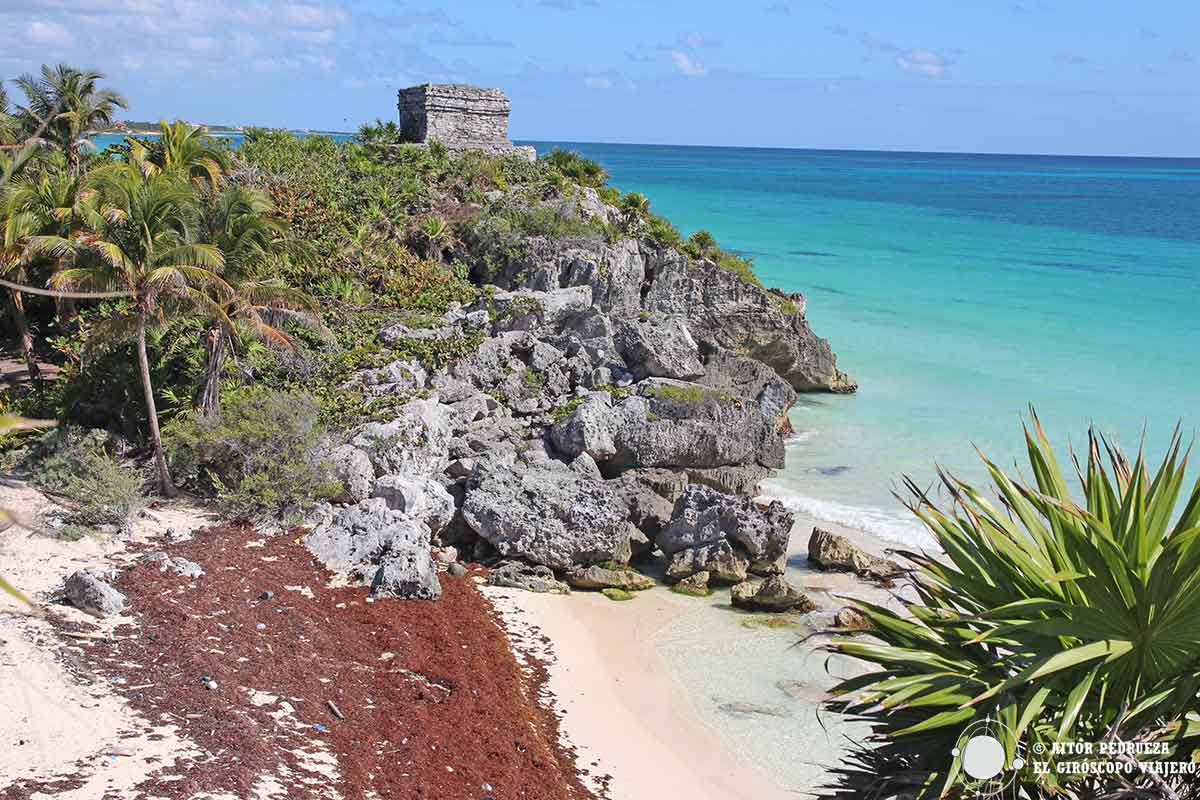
x: 1116, y: 77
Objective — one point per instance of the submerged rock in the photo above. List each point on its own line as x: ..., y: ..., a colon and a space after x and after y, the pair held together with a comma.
x: 832, y: 551
x: 694, y: 585
x: 530, y: 577
x: 88, y: 591
x: 852, y: 619
x: 739, y: 709
x: 773, y: 594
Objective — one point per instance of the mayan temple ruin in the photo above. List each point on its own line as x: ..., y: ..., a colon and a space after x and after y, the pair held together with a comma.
x: 459, y: 116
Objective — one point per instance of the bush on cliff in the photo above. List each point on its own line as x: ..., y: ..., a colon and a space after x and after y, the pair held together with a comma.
x: 259, y: 458
x: 1046, y: 620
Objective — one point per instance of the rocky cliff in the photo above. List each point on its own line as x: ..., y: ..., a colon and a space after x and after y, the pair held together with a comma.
x: 625, y: 402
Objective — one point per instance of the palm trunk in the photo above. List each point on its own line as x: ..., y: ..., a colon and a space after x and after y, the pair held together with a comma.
x: 165, y: 485
x: 25, y: 336
x: 210, y: 396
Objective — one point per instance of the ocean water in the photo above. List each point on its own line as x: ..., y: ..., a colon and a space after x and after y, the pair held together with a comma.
x: 958, y: 290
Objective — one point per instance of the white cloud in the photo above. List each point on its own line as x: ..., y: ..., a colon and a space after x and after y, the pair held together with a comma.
x: 597, y: 83
x: 306, y: 16
x: 49, y: 33
x: 687, y: 65
x: 922, y: 62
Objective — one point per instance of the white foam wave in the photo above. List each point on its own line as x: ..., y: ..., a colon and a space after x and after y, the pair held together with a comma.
x: 800, y: 437
x: 889, y: 526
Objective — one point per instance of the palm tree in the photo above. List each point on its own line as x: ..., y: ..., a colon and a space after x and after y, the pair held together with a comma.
x: 65, y: 104
x: 141, y: 238
x: 56, y: 201
x: 634, y: 209
x: 182, y: 147
x: 16, y: 229
x: 10, y: 131
x: 253, y: 242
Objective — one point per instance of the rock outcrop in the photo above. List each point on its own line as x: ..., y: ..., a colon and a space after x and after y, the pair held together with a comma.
x: 384, y: 548
x: 832, y: 551
x: 774, y: 594
x: 89, y: 590
x: 731, y: 534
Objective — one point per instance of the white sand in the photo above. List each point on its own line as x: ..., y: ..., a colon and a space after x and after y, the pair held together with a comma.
x: 56, y: 724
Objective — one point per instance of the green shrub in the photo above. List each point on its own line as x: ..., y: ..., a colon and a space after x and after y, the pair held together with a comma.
x: 582, y: 170
x: 1046, y: 619
x: 260, y: 458
x: 78, y: 465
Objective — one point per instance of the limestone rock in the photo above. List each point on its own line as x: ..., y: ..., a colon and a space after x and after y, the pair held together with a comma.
x: 773, y: 594
x: 180, y: 566
x: 851, y: 619
x: 557, y: 518
x: 88, y: 591
x: 398, y: 376
x: 414, y: 443
x: 530, y: 577
x: 659, y: 349
x: 832, y: 551
x: 418, y: 497
x: 704, y: 516
x: 719, y: 560
x: 603, y: 577
x: 373, y: 543
x: 353, y: 468
x: 694, y: 585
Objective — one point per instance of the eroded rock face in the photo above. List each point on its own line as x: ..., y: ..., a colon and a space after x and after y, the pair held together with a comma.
x: 557, y: 518
x: 88, y: 590
x: 722, y: 563
x: 774, y: 594
x: 530, y: 577
x: 414, y: 443
x: 354, y: 469
x: 835, y: 552
x: 419, y: 497
x: 374, y: 544
x: 704, y: 516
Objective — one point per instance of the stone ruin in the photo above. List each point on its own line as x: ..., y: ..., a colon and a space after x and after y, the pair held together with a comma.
x: 459, y: 116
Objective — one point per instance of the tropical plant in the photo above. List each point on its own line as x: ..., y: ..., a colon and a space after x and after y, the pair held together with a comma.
x: 10, y: 128
x: 1048, y: 619
x: 634, y: 209
x: 252, y: 242
x: 182, y: 147
x: 435, y: 234
x: 700, y: 244
x: 63, y: 105
x: 141, y: 239
x: 582, y: 170
x: 17, y: 227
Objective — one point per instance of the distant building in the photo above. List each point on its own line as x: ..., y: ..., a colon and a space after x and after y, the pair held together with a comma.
x: 459, y: 116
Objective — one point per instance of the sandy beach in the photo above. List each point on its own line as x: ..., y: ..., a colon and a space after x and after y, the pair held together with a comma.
x: 623, y: 707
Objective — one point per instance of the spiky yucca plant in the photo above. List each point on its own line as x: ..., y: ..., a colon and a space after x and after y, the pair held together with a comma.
x: 1057, y: 620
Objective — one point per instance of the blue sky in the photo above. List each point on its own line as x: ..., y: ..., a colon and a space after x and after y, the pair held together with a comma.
x: 1056, y: 76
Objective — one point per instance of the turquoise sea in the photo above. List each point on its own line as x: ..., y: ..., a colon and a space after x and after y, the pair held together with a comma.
x: 957, y: 289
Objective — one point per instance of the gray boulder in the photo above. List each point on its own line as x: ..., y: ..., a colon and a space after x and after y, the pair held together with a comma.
x: 774, y: 594
x: 663, y: 349
x: 413, y: 443
x: 398, y: 376
x: 557, y: 518
x: 833, y: 551
x: 704, y: 516
x: 722, y: 563
x: 417, y: 496
x: 605, y: 577
x: 361, y: 539
x: 168, y: 563
x: 88, y: 591
x: 530, y: 577
x: 354, y: 469
x: 589, y: 429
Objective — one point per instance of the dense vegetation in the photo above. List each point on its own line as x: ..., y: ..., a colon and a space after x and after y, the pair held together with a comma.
x: 1047, y: 620
x: 205, y: 277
